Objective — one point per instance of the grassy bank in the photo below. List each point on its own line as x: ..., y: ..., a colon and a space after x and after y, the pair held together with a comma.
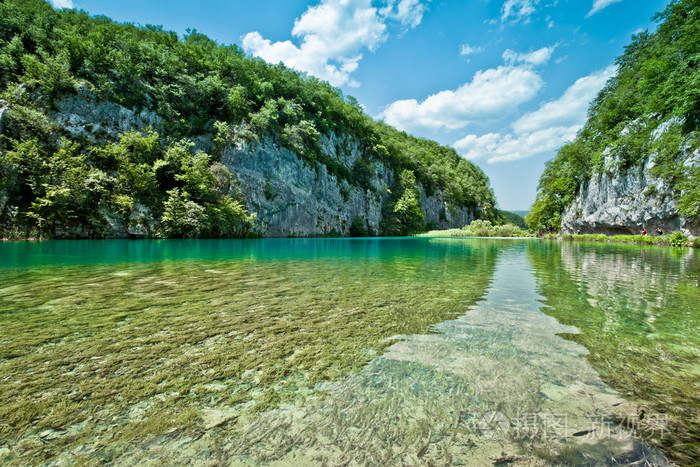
x: 675, y: 239
x: 479, y: 228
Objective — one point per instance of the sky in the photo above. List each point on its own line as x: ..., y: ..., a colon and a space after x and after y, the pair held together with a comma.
x: 504, y: 82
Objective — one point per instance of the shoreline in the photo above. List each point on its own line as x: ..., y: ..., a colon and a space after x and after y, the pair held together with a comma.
x: 599, y: 238
x: 661, y: 240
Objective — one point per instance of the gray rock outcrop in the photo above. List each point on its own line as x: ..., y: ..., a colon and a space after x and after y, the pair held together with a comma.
x: 618, y: 202
x: 85, y: 116
x: 289, y: 196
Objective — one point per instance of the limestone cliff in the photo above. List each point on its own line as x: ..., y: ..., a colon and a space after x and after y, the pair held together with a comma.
x: 289, y: 196
x: 625, y: 201
x: 635, y: 162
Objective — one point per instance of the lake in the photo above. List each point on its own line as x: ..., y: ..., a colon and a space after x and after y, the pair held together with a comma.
x: 376, y: 351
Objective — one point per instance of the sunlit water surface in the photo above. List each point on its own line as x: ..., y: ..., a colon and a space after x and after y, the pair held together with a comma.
x: 343, y: 351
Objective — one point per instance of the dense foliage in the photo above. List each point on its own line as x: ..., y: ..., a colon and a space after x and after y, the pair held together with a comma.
x: 484, y: 228
x: 480, y: 228
x: 70, y: 189
x: 404, y: 216
x: 201, y: 91
x: 657, y: 82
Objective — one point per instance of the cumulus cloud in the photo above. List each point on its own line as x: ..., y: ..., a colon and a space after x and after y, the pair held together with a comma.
x: 543, y: 130
x: 466, y: 49
x: 570, y: 109
x: 518, y: 10
x: 599, y: 5
x: 333, y: 36
x: 62, y: 3
x: 491, y: 93
x: 502, y: 148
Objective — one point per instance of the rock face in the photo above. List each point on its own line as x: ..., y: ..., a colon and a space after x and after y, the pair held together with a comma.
x: 3, y: 108
x: 291, y: 198
x: 83, y: 115
x: 624, y: 202
x: 288, y: 196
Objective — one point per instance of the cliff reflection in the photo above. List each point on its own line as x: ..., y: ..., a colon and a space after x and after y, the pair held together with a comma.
x: 637, y: 312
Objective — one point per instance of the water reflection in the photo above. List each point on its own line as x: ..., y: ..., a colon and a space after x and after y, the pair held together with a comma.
x: 638, y: 316
x: 312, y: 324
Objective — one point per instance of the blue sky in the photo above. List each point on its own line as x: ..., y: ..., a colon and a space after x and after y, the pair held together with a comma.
x: 504, y: 82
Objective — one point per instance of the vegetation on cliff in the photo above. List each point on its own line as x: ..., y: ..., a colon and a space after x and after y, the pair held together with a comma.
x: 657, y: 83
x: 199, y: 90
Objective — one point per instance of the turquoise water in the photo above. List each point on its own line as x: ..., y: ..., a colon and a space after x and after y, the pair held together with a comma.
x: 370, y: 351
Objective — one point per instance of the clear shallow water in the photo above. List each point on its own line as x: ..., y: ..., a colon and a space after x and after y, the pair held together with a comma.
x: 410, y: 351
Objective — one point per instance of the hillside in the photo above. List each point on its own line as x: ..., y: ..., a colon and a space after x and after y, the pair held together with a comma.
x: 514, y: 217
x: 636, y: 162
x: 114, y: 130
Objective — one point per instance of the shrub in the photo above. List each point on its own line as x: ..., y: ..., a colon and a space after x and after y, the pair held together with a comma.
x: 484, y: 228
x: 509, y: 230
x: 678, y: 239
x: 479, y: 228
x: 181, y: 216
x: 358, y: 228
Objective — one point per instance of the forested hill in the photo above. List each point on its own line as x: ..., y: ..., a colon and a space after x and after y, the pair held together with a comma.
x: 635, y: 164
x: 113, y: 129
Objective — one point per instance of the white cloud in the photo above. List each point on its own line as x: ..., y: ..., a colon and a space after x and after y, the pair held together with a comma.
x: 538, y: 57
x: 570, y: 109
x: 466, y: 49
x: 599, y: 5
x: 62, y: 3
x: 519, y: 10
x: 333, y: 36
x: 491, y: 93
x: 502, y: 148
x: 408, y: 12
x: 543, y: 130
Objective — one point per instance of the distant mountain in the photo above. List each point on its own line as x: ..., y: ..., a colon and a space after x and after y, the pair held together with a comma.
x: 512, y: 217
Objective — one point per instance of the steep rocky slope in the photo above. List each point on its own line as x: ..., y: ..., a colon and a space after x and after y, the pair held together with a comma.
x: 636, y: 162
x: 114, y: 130
x: 624, y: 201
x: 291, y: 198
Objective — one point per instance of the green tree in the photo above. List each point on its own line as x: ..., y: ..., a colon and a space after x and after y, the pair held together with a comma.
x: 358, y: 227
x: 182, y: 217
x: 408, y: 207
